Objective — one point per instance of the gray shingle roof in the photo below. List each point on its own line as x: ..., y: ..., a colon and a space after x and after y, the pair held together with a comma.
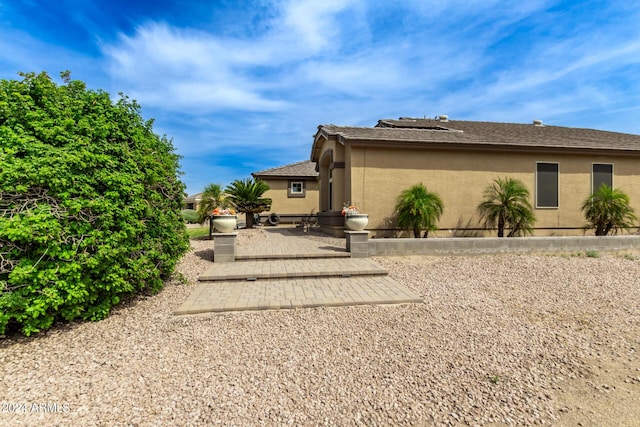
x: 302, y: 169
x: 193, y: 197
x: 486, y: 134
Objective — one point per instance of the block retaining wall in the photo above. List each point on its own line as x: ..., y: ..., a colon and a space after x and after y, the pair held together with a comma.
x: 494, y: 245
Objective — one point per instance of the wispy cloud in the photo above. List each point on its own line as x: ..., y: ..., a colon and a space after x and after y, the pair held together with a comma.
x: 208, y: 73
x: 311, y: 23
x: 179, y: 69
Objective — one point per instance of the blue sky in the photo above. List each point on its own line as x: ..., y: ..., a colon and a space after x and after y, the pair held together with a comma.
x: 241, y: 86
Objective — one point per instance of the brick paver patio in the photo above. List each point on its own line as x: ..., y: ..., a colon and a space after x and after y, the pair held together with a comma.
x: 285, y: 271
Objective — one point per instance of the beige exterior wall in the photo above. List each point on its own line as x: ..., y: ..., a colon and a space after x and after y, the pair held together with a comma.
x: 331, y: 167
x: 282, y: 204
x: 191, y: 203
x: 378, y: 175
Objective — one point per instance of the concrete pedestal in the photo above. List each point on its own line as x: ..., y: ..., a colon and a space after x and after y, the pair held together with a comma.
x: 357, y: 243
x: 224, y: 247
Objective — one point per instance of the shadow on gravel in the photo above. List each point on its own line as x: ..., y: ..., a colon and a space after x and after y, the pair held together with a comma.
x: 206, y: 254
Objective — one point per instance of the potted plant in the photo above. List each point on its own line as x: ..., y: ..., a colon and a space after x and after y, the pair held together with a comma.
x: 354, y: 220
x: 224, y: 220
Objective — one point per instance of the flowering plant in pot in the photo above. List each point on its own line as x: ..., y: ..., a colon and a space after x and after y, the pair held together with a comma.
x: 349, y: 210
x: 223, y: 211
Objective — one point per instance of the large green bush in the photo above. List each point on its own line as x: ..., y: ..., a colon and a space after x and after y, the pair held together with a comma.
x: 89, y: 203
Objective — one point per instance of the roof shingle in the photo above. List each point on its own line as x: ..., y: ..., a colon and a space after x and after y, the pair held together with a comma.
x: 302, y: 169
x: 485, y: 133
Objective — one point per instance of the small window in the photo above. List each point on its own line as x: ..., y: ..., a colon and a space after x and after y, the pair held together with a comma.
x: 296, y: 189
x: 601, y: 173
x: 546, y: 185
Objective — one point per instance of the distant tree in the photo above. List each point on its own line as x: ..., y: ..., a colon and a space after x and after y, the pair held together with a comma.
x: 608, y: 210
x: 506, y: 205
x: 246, y: 196
x: 212, y: 197
x: 418, y: 209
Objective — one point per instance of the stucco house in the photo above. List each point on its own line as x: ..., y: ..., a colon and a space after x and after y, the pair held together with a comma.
x: 192, y: 202
x: 370, y: 166
x: 293, y: 191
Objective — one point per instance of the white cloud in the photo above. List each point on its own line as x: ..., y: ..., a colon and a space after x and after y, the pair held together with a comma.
x: 162, y: 66
x: 209, y: 73
x: 311, y: 21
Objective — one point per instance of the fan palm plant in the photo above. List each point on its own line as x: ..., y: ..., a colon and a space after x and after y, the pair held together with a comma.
x: 506, y: 206
x: 212, y: 197
x: 246, y: 196
x: 608, y: 210
x: 418, y: 209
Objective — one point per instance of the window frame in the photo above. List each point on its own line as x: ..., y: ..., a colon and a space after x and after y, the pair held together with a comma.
x: 593, y: 187
x: 296, y: 194
x: 537, y: 204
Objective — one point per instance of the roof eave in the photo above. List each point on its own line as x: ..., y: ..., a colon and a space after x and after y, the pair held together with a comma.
x: 322, y: 133
x: 489, y: 146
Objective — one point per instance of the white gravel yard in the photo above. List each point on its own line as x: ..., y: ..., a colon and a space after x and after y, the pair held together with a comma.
x: 500, y: 340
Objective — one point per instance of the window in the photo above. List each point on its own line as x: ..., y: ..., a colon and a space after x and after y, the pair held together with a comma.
x: 601, y: 173
x: 296, y: 189
x: 546, y: 185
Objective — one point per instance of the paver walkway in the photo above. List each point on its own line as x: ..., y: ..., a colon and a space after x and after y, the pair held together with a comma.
x: 284, y: 271
x: 282, y: 242
x: 292, y: 268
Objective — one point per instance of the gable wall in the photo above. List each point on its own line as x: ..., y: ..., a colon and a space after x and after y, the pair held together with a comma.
x: 378, y: 175
x: 282, y: 204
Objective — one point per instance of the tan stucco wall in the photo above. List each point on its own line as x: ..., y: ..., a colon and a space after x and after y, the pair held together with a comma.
x: 378, y: 175
x: 331, y: 161
x: 282, y: 204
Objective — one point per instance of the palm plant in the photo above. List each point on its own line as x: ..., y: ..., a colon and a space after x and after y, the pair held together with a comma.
x: 246, y: 196
x: 506, y: 205
x: 608, y: 210
x: 418, y: 209
x: 212, y: 197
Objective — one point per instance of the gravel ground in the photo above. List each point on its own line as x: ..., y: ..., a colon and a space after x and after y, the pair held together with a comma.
x: 500, y: 340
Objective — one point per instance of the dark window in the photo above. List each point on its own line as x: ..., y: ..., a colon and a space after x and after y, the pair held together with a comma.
x: 601, y: 174
x: 546, y: 185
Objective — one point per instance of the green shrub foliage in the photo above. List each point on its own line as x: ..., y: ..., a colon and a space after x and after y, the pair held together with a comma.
x: 190, y: 216
x: 89, y: 203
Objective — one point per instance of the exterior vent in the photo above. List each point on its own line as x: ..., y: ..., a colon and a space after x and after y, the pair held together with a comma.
x: 538, y: 123
x: 443, y: 118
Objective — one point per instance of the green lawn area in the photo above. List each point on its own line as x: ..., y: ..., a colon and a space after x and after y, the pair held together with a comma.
x: 198, y: 232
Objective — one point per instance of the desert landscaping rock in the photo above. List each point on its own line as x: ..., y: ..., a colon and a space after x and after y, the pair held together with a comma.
x: 500, y: 340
